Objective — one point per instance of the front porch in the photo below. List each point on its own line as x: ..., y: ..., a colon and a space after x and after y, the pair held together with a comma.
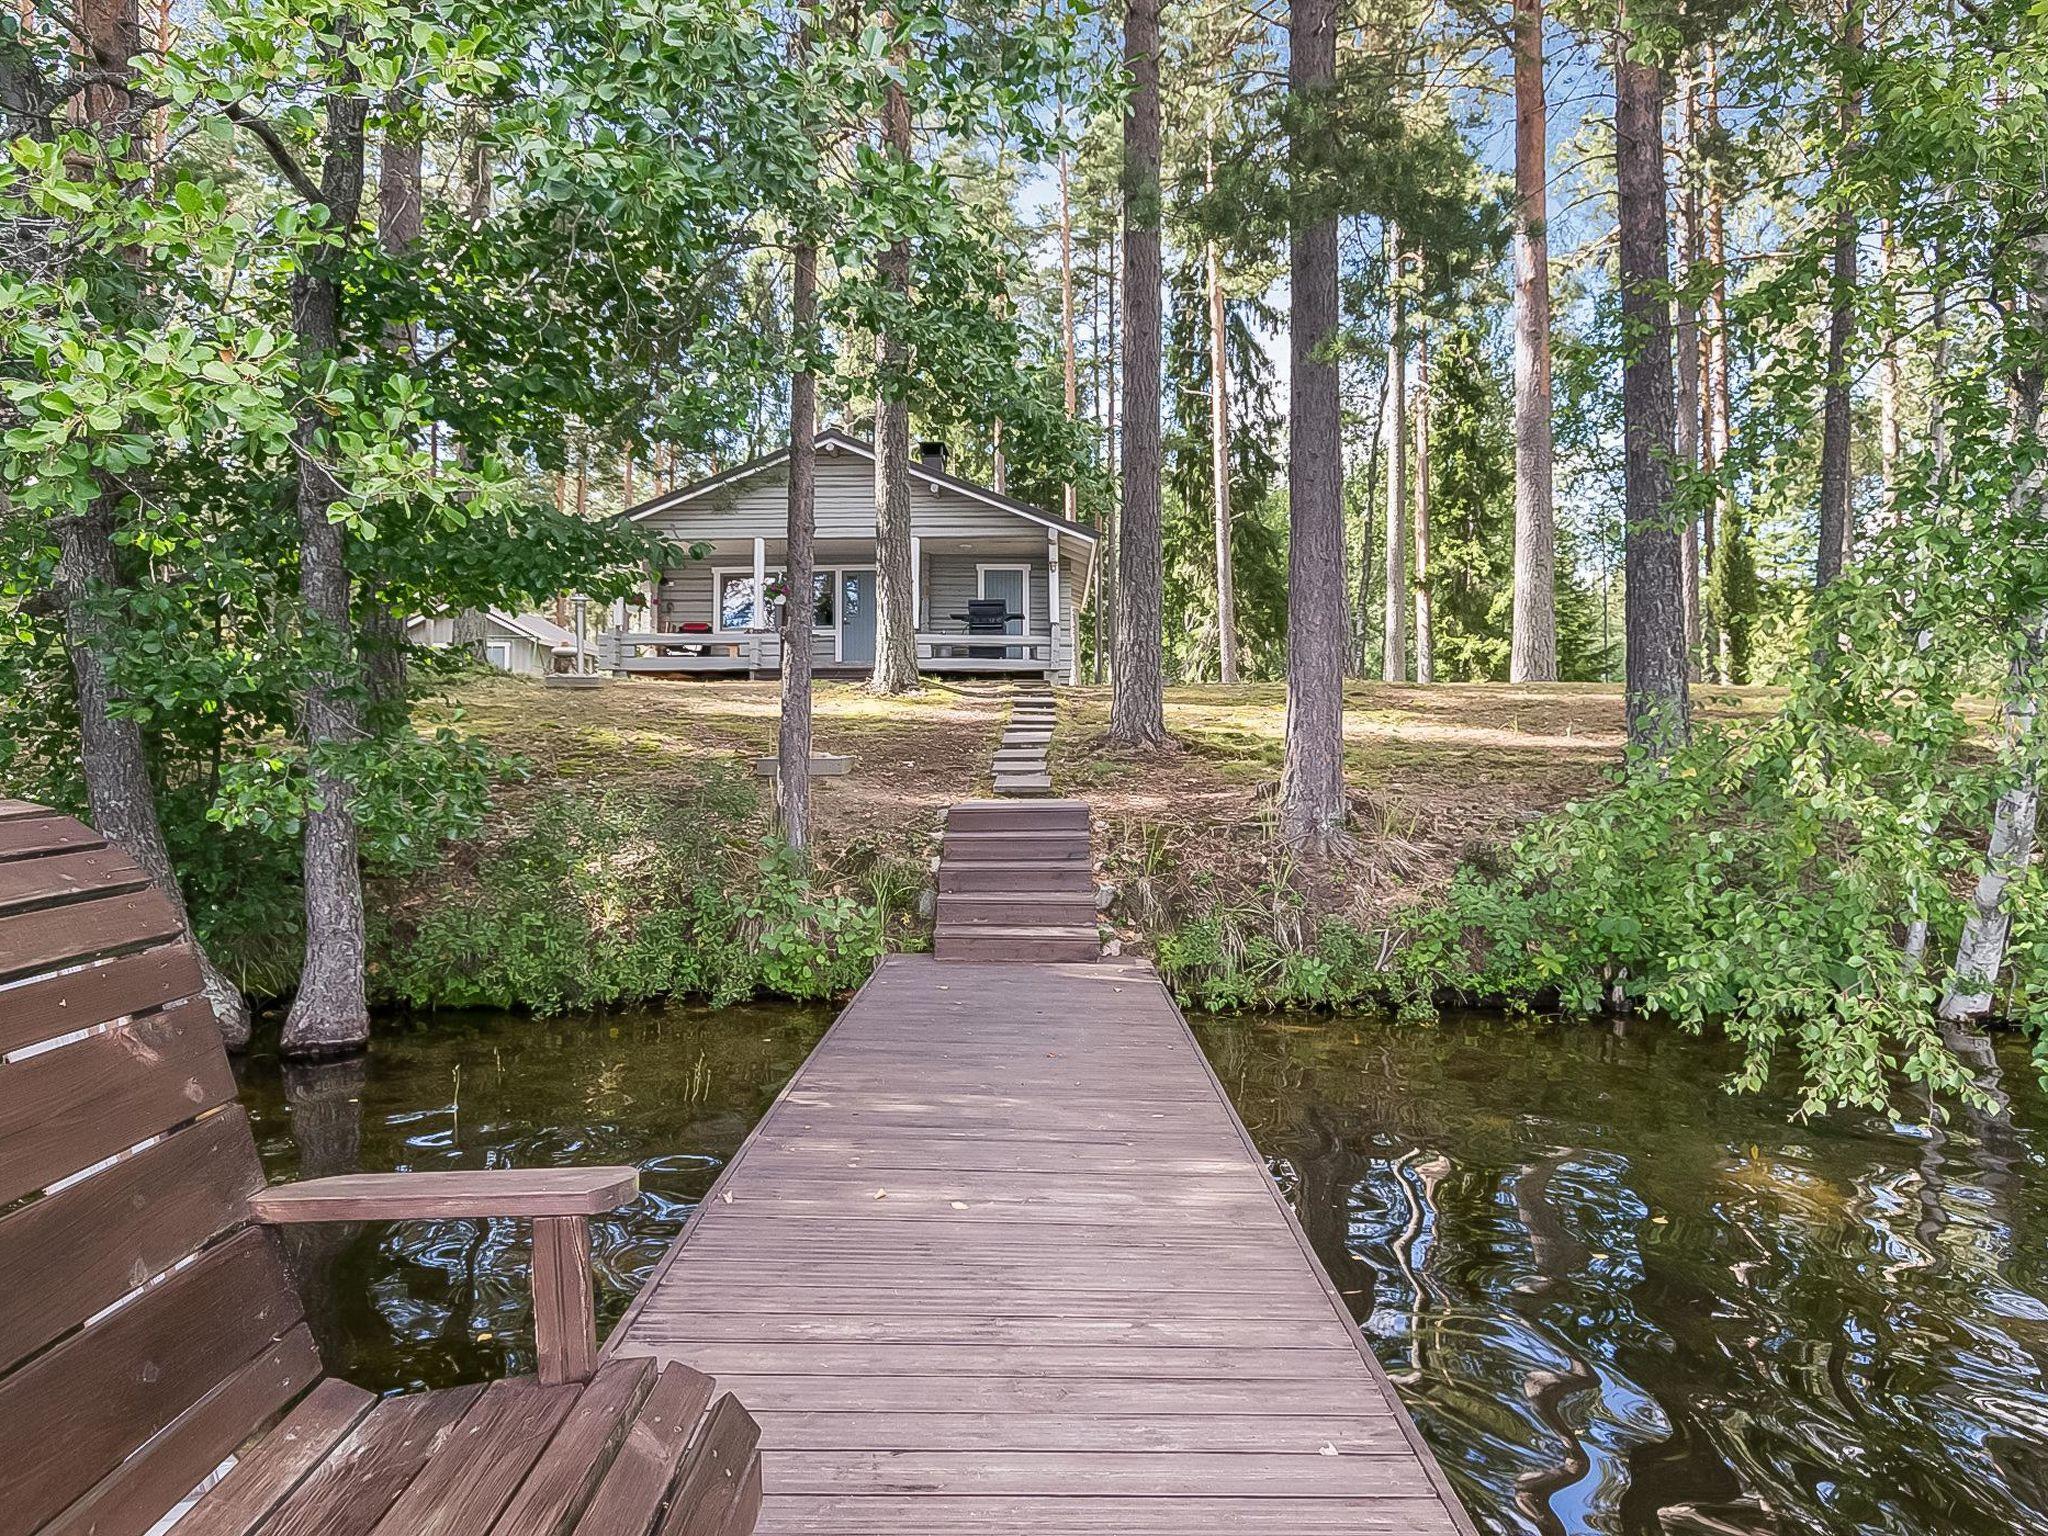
x: 717, y: 615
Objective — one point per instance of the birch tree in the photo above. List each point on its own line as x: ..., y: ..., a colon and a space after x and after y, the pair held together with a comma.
x: 1532, y: 653
x: 895, y: 581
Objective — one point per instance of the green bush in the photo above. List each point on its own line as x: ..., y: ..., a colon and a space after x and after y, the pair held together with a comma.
x: 609, y: 897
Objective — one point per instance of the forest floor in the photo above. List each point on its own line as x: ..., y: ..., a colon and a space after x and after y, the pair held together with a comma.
x: 1440, y: 774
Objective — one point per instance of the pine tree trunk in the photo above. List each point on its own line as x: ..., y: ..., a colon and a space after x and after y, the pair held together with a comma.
x: 895, y: 581
x: 1532, y: 650
x: 1425, y: 613
x: 1837, y: 525
x: 793, y: 739
x: 330, y: 1014
x: 398, y: 227
x: 1137, y: 711
x: 120, y: 792
x: 1314, y: 805
x: 1394, y: 421
x: 471, y: 632
x: 1658, y: 704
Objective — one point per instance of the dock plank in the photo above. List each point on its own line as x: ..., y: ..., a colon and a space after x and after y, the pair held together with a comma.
x: 1001, y: 1257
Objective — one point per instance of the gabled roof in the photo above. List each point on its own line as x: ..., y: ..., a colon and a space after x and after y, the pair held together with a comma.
x: 536, y: 627
x: 832, y: 440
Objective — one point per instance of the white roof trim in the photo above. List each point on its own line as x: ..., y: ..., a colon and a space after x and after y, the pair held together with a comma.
x: 833, y: 442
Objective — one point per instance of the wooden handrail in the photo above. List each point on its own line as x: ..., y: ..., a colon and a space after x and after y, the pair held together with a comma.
x: 463, y: 1192
x: 559, y: 1202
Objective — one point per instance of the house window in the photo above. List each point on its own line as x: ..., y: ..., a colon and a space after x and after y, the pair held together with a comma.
x: 499, y: 654
x: 735, y: 599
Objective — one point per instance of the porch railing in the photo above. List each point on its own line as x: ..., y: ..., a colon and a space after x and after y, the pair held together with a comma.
x: 955, y: 651
x: 625, y: 650
x: 621, y: 652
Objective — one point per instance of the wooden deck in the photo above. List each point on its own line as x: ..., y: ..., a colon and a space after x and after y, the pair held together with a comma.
x: 1002, y: 1258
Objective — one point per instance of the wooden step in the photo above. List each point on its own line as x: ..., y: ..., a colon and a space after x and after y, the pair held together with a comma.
x: 1029, y: 909
x: 1056, y: 847
x: 1024, y: 786
x: 1051, y: 942
x: 999, y: 816
x: 1013, y: 875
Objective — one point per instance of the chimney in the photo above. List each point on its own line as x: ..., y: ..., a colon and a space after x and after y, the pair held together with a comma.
x: 932, y: 456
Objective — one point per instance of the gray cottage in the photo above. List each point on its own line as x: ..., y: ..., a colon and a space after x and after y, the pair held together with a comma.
x: 999, y: 583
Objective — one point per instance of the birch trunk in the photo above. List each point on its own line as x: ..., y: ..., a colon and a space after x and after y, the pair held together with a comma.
x: 1686, y: 344
x: 895, y: 582
x: 1716, y: 438
x: 1313, y: 803
x: 1394, y: 423
x: 1658, y: 704
x: 1219, y: 450
x: 793, y: 737
x: 1070, y: 497
x: 1890, y: 423
x: 1532, y: 653
x: 1137, y: 711
x: 1987, y: 922
x: 1425, y: 616
x: 330, y: 1013
x: 1837, y: 525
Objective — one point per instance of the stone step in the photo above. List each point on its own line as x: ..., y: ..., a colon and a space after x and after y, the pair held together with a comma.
x: 1056, y: 847
x: 1051, y: 942
x: 1029, y: 909
x: 1014, y: 875
x: 997, y: 816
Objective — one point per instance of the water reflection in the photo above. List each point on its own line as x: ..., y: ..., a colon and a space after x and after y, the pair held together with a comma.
x: 1619, y: 1300
x: 433, y: 1303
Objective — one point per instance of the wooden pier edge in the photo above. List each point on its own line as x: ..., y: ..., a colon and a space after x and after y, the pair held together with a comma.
x: 631, y: 1315
x: 1410, y: 1431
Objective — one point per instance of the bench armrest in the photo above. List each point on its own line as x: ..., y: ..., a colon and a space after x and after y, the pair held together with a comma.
x: 427, y: 1196
x: 559, y: 1202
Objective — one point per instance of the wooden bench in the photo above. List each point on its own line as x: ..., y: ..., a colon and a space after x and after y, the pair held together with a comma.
x: 149, y: 1330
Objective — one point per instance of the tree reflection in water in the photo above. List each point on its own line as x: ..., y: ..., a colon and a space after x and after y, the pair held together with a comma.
x: 431, y: 1303
x: 1619, y: 1299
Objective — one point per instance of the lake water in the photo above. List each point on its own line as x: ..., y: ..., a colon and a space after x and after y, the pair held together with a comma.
x: 1616, y: 1298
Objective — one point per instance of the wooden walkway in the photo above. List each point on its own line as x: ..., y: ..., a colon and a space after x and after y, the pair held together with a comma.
x: 1002, y: 1259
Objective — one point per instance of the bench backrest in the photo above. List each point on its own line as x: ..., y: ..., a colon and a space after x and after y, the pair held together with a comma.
x: 146, y: 1329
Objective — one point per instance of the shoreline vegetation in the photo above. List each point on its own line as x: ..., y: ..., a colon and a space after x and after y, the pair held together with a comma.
x: 1501, y: 862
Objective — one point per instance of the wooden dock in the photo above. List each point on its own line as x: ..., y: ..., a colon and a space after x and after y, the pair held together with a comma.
x: 1002, y: 1259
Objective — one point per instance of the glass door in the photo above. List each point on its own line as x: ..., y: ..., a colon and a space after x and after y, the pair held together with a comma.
x: 857, y: 617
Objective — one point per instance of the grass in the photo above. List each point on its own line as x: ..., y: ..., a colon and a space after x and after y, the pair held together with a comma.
x: 912, y: 755
x: 1438, y: 772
